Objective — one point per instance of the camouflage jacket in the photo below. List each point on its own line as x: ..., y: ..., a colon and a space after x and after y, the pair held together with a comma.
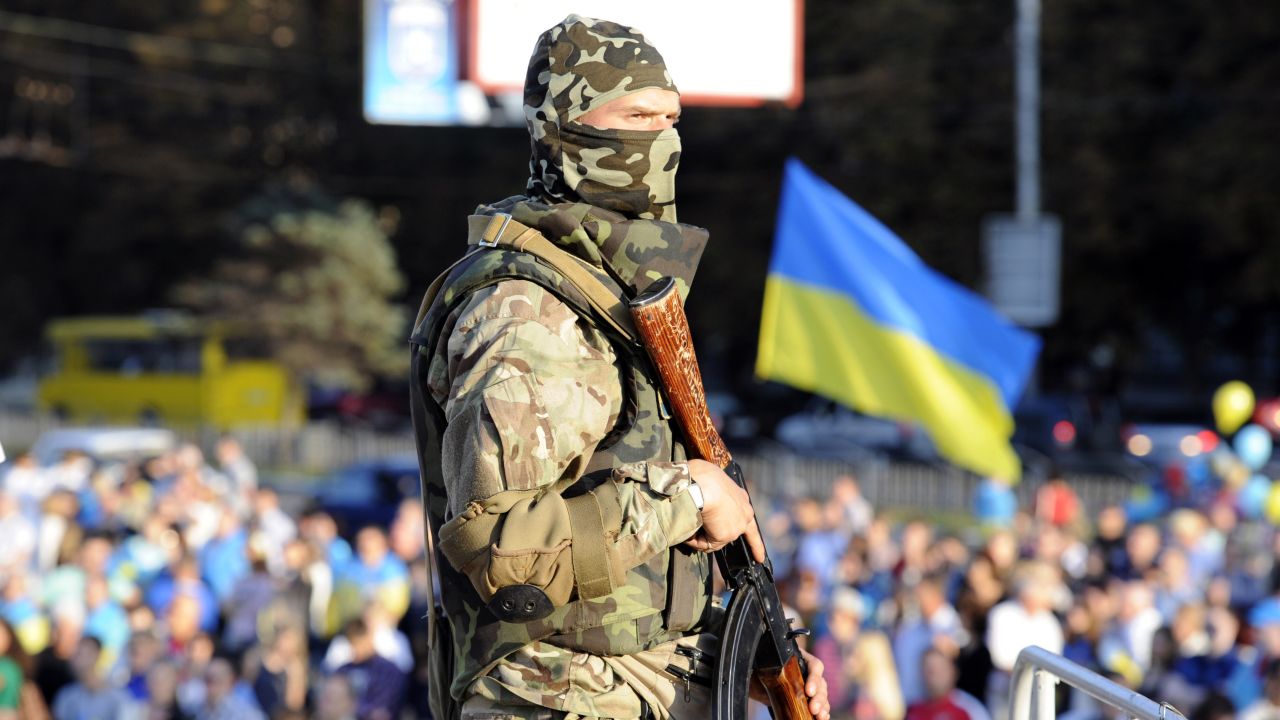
x: 537, y: 407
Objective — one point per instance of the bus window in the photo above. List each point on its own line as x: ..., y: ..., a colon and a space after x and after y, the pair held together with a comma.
x: 246, y: 348
x: 170, y: 355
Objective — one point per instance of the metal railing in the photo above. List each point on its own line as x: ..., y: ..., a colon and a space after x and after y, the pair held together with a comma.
x: 1037, y: 671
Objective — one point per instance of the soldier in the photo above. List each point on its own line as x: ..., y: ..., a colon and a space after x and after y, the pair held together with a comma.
x: 572, y: 535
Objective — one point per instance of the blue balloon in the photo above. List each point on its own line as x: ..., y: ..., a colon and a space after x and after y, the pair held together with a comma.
x: 1253, y: 497
x: 1253, y: 445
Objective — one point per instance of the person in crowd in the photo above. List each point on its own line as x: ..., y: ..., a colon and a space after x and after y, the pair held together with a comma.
x: 238, y: 469
x: 224, y: 559
x: 818, y: 552
x: 1173, y: 587
x: 374, y: 573
x: 54, y: 670
x: 147, y: 554
x: 19, y: 535
x: 71, y: 473
x: 145, y: 650
x: 321, y: 530
x: 855, y: 508
x: 337, y: 699
x: 28, y: 483
x: 379, y: 685
x: 941, y: 699
x: 162, y: 693
x: 388, y: 642
x: 183, y: 623
x: 193, y: 660
x: 930, y: 623
x: 68, y: 580
x: 1080, y: 635
x: 90, y: 697
x: 105, y: 619
x: 1057, y: 503
x: 273, y: 526
x: 20, y: 608
x: 407, y: 534
x: 877, y: 676
x: 280, y: 683
x: 221, y: 701
x: 1190, y: 532
x: 15, y: 669
x: 836, y: 647
x: 994, y: 503
x: 1142, y: 547
x: 1215, y: 707
x: 296, y: 584
x: 1025, y: 619
x: 60, y: 536
x: 250, y: 597
x: 1136, y: 623
x: 1266, y: 707
x: 182, y: 579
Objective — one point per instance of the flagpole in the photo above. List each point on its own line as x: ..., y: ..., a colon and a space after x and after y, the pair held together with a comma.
x: 1027, y: 78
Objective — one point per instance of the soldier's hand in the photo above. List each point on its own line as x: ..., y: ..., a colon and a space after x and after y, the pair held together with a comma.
x: 726, y: 512
x: 815, y: 687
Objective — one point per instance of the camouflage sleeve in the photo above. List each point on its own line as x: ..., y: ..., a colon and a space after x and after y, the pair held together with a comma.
x: 528, y: 392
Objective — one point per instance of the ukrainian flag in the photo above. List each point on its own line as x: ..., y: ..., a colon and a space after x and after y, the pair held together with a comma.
x: 851, y: 313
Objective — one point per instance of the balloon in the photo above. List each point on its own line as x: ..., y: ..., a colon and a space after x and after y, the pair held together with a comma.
x: 1232, y: 406
x: 1254, y: 496
x: 1236, y: 476
x: 1222, y: 460
x: 1253, y: 445
x: 1273, y: 504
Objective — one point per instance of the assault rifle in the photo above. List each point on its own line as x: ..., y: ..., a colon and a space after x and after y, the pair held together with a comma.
x: 757, y: 636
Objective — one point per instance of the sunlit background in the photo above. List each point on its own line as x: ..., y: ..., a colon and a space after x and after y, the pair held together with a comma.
x: 217, y: 220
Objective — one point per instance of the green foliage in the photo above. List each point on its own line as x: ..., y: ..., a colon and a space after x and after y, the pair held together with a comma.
x: 316, y: 283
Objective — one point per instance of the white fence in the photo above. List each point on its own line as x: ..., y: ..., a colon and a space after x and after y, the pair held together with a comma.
x: 324, y: 446
x: 1037, y: 671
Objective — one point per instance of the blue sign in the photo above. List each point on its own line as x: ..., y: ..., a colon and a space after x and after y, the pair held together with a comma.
x: 410, y: 62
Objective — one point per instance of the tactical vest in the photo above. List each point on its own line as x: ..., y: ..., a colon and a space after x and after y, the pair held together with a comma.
x: 667, y: 597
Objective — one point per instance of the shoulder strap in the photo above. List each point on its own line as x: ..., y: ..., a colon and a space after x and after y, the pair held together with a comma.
x: 501, y: 230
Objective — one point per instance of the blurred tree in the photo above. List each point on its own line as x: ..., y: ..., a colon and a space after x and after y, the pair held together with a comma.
x: 314, y: 279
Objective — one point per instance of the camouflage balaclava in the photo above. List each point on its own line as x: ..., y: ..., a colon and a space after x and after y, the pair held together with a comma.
x: 577, y: 66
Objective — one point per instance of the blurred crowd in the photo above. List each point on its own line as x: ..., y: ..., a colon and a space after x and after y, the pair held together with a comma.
x: 177, y: 587
x: 918, y: 621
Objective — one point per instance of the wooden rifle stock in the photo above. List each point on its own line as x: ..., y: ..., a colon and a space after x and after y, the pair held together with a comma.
x: 664, y: 330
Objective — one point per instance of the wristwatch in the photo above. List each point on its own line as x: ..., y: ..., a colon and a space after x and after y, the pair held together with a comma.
x: 695, y: 492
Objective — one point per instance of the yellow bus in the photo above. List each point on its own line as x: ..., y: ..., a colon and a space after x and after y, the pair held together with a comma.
x: 164, y: 368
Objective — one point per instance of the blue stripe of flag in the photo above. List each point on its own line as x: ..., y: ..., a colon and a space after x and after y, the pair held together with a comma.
x: 826, y: 240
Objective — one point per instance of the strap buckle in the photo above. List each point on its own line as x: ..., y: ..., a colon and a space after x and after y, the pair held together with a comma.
x: 488, y: 240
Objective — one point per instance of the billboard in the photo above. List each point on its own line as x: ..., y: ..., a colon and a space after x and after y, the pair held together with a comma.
x: 748, y: 52
x: 462, y: 62
x: 411, y: 65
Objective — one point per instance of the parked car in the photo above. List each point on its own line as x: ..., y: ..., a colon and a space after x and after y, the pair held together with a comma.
x: 368, y: 492
x: 384, y: 406
x: 1161, y: 444
x: 103, y: 443
x: 829, y: 429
